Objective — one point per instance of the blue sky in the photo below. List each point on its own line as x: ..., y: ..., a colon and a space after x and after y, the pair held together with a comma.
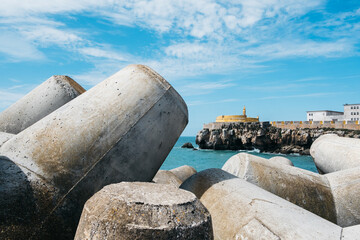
x: 280, y: 58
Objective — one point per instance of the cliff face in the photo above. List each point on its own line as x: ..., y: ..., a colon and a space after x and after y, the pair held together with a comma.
x: 263, y: 136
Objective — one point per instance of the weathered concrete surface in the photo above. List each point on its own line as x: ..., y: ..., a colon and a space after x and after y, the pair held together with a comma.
x: 104, y: 136
x: 144, y: 211
x: 4, y: 137
x: 351, y: 233
x: 345, y: 187
x: 47, y: 97
x: 241, y: 210
x: 167, y: 177
x: 332, y: 153
x: 281, y: 160
x: 306, y: 189
x: 183, y: 172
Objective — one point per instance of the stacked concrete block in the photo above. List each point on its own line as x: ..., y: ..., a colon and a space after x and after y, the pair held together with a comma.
x: 47, y: 97
x: 120, y: 130
x: 306, y: 189
x: 183, y: 172
x: 144, y: 211
x: 332, y: 153
x: 167, y: 177
x: 241, y: 210
x: 174, y: 176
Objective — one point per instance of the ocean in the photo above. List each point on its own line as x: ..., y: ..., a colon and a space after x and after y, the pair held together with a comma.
x: 204, y: 159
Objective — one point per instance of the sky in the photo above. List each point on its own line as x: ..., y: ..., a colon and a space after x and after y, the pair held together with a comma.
x: 279, y: 58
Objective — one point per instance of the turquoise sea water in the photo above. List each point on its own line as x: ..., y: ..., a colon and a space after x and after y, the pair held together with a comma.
x: 203, y: 159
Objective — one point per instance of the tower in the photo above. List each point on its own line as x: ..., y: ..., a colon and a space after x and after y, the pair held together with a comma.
x: 244, y: 111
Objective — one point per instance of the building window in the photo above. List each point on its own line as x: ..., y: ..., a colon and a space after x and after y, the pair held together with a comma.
x: 351, y: 107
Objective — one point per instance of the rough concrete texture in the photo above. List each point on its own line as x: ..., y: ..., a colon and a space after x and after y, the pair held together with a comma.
x: 167, y: 177
x: 144, y: 211
x: 241, y: 210
x: 4, y: 137
x: 304, y: 188
x: 332, y: 153
x: 351, y: 233
x: 345, y: 186
x: 120, y: 130
x: 183, y: 172
x: 47, y: 97
x: 281, y: 160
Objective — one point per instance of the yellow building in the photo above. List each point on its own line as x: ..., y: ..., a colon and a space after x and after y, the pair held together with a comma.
x: 236, y: 118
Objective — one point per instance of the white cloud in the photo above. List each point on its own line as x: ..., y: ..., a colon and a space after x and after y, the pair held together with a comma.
x: 49, y: 35
x: 302, y: 49
x: 201, y: 88
x: 17, y: 48
x: 101, y: 53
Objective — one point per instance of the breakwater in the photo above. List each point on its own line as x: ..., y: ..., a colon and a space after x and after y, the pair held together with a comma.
x: 265, y: 136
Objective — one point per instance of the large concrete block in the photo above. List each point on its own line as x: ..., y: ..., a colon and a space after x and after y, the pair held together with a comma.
x: 241, y: 210
x: 120, y: 130
x: 47, y: 97
x: 304, y: 188
x: 183, y: 172
x: 167, y: 177
x: 345, y: 188
x: 144, y: 211
x: 332, y: 153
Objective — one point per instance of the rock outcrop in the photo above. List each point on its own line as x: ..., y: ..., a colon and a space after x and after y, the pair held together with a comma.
x: 263, y: 136
x: 187, y: 145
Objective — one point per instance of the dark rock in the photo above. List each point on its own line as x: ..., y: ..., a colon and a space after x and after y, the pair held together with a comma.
x: 263, y: 136
x: 187, y: 145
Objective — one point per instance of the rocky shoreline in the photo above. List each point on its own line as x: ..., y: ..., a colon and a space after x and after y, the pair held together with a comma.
x: 266, y: 138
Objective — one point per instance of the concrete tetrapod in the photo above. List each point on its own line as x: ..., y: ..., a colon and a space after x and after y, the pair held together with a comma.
x: 332, y: 153
x: 120, y: 130
x: 174, y: 176
x: 167, y: 177
x: 241, y: 210
x: 183, y: 172
x: 301, y: 187
x: 44, y: 99
x: 144, y: 211
x: 333, y: 196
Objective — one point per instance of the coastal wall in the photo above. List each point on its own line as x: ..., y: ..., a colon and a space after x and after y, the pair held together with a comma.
x: 278, y: 137
x: 351, y: 125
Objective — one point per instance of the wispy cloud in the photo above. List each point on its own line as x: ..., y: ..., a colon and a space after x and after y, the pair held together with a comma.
x: 199, y: 102
x: 299, y: 96
x: 207, y: 36
x: 18, y: 49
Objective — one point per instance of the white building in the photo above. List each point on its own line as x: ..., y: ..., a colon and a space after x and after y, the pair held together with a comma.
x: 324, y: 115
x: 351, y: 113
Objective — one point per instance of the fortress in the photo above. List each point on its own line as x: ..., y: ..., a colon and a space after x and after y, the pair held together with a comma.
x: 236, y: 118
